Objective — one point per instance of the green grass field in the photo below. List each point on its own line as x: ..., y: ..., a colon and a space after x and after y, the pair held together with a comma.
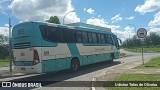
x: 153, y: 63
x: 4, y: 62
x: 139, y: 49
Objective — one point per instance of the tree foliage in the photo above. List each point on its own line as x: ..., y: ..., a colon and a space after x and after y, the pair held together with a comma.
x: 152, y: 40
x: 4, y: 51
x: 4, y: 47
x: 3, y: 39
x: 54, y: 19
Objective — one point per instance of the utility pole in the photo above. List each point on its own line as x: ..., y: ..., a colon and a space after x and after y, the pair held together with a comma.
x: 135, y: 34
x: 10, y: 48
x: 142, y: 40
x: 66, y: 14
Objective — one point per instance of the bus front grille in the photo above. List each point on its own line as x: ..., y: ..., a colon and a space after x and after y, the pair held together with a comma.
x: 22, y: 45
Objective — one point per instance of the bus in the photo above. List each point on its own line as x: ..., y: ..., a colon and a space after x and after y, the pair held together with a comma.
x: 40, y: 47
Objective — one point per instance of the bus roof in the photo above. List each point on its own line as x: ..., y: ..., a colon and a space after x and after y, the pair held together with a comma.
x: 79, y: 26
x: 89, y: 26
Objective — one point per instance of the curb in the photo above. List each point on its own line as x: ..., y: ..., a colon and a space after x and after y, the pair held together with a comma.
x: 92, y: 87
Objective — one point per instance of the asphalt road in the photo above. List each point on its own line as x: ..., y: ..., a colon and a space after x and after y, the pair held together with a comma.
x: 86, y: 73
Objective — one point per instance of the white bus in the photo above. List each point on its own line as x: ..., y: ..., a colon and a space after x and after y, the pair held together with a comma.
x: 44, y: 47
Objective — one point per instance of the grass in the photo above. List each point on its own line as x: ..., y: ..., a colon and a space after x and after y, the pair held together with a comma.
x: 139, y: 49
x: 4, y: 62
x: 136, y: 77
x: 153, y: 63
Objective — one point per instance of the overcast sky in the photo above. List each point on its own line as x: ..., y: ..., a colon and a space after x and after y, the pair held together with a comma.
x: 114, y: 14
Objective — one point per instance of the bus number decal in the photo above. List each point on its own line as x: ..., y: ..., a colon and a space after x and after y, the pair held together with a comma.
x: 22, y: 54
x: 20, y: 31
x: 46, y: 53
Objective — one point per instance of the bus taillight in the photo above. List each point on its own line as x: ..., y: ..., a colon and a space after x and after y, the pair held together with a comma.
x: 35, y: 57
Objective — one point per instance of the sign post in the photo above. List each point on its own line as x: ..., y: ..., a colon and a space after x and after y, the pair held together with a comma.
x: 10, y: 54
x: 141, y: 33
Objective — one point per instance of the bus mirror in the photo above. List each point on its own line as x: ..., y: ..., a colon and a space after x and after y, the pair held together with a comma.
x: 120, y: 41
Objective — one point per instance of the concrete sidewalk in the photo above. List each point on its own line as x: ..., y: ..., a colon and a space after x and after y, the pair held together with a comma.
x: 5, y: 68
x: 5, y: 73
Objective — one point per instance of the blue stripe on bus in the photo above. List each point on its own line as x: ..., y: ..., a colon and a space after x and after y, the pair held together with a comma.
x: 73, y: 49
x: 23, y: 63
x: 54, y: 65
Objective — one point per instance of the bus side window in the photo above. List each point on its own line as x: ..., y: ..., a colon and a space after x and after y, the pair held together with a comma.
x: 99, y: 38
x: 43, y: 31
x: 90, y: 37
x: 78, y: 37
x: 65, y: 36
x: 50, y: 34
x: 102, y: 38
x: 85, y: 37
x: 109, y: 39
x: 116, y: 42
x: 71, y: 36
x: 95, y: 39
x: 106, y: 38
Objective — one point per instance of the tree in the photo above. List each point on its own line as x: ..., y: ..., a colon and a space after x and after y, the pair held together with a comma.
x: 147, y: 41
x: 4, y: 47
x: 3, y: 39
x: 54, y: 19
x: 152, y: 40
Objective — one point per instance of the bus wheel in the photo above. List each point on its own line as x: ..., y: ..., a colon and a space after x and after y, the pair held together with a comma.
x: 74, y: 65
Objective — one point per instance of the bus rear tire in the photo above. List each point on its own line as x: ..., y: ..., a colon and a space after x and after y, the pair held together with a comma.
x: 74, y: 65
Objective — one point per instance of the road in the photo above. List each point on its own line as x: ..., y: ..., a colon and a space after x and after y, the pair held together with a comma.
x: 86, y: 73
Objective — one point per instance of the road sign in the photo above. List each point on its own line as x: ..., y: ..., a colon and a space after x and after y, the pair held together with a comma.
x: 141, y: 33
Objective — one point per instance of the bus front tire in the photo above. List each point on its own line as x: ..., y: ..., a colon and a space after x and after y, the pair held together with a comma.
x: 74, y: 65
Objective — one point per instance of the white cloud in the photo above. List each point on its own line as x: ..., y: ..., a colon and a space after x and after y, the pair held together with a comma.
x: 124, y: 34
x: 41, y: 10
x: 130, y: 18
x: 148, y: 6
x: 156, y: 30
x: 116, y: 18
x: 102, y: 22
x: 130, y: 29
x: 97, y: 21
x: 156, y: 21
x: 90, y: 11
x: 71, y: 17
x: 154, y: 25
x: 128, y: 32
x: 4, y: 30
x: 6, y: 25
